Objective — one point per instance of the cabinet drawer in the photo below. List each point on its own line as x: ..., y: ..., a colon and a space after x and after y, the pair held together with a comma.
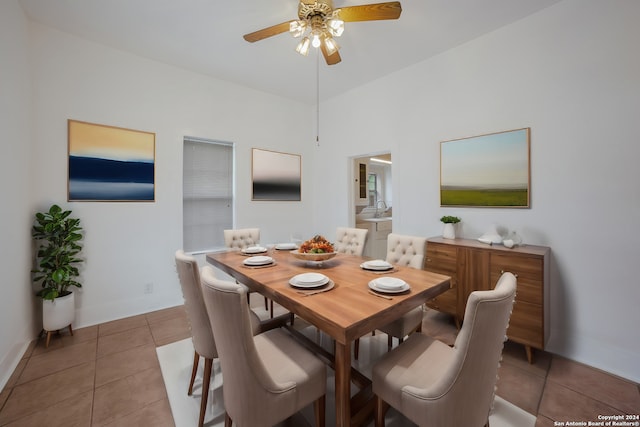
x: 526, y: 324
x: 522, y: 266
x: 441, y: 259
x: 528, y: 290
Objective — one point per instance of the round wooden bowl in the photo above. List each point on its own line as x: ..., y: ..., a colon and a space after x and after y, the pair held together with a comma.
x: 312, y: 256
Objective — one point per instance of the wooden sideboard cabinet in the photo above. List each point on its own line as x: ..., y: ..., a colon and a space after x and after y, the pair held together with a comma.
x: 473, y: 265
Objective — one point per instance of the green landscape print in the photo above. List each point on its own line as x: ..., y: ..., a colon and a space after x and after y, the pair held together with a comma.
x: 487, y: 170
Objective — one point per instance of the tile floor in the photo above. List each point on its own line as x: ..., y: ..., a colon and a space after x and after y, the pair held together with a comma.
x: 109, y: 375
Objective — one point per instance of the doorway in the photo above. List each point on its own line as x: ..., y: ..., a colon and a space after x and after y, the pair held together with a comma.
x: 372, y: 200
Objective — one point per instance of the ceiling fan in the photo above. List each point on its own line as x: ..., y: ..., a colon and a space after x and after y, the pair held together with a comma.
x: 319, y: 23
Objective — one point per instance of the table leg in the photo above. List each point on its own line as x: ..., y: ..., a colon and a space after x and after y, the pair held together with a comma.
x: 343, y: 384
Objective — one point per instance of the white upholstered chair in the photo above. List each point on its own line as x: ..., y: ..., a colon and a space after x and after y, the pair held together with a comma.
x: 405, y: 251
x: 433, y: 384
x: 242, y: 238
x: 267, y: 377
x: 350, y: 240
x: 201, y: 334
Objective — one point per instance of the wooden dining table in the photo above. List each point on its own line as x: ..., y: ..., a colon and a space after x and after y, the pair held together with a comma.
x: 347, y: 312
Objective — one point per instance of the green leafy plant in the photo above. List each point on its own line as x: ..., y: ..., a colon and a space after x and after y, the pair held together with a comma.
x: 448, y: 219
x: 57, y: 256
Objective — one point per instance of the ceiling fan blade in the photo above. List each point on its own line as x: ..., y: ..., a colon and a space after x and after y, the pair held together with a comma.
x: 267, y: 32
x: 331, y: 59
x: 371, y: 12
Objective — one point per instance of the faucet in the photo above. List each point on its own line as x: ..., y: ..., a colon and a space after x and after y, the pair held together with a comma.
x: 384, y: 205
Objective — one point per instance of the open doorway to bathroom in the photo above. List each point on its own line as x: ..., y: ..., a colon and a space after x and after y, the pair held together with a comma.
x: 372, y: 200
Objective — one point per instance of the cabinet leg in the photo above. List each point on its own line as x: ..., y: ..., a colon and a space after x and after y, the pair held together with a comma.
x: 529, y: 351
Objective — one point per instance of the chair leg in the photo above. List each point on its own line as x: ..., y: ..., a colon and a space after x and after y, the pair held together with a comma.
x: 266, y: 303
x: 208, y: 364
x: 227, y: 420
x: 70, y: 330
x: 389, y: 341
x: 271, y: 307
x: 380, y: 410
x: 194, y: 370
x: 319, y: 410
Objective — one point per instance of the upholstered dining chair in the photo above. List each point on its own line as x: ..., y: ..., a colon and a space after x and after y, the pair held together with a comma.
x: 242, y: 238
x: 433, y: 384
x: 350, y: 240
x: 407, y: 251
x: 201, y: 334
x: 267, y: 377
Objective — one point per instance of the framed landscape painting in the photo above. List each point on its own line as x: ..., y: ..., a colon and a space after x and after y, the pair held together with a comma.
x: 108, y: 163
x: 275, y: 176
x: 490, y: 170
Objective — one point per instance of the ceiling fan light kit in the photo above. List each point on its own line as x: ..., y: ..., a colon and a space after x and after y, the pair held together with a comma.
x: 318, y: 23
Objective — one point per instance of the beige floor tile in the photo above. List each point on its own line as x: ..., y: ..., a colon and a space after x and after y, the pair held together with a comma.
x: 122, y: 325
x: 126, y: 363
x: 170, y: 330
x: 72, y: 412
x: 515, y: 354
x: 167, y: 313
x: 40, y: 394
x: 544, y: 422
x: 63, y: 338
x: 122, y: 397
x: 80, y: 335
x: 609, y: 389
x: 520, y: 387
x: 55, y: 343
x: 560, y: 403
x: 125, y: 340
x: 157, y: 414
x: 65, y: 357
x: 13, y: 379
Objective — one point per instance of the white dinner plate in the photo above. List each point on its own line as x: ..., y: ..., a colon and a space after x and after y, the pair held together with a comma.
x: 254, y: 250
x: 286, y: 246
x: 383, y: 286
x: 258, y: 260
x: 390, y: 283
x: 376, y: 264
x: 309, y: 280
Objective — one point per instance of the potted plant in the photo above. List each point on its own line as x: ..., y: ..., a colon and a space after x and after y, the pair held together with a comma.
x: 449, y: 231
x: 59, y: 237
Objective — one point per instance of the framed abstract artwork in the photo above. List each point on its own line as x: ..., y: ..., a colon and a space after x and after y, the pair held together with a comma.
x: 108, y: 163
x: 490, y: 170
x: 275, y: 176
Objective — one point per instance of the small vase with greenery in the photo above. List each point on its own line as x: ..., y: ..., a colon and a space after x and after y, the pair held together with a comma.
x: 449, y: 231
x: 57, y: 256
x: 448, y: 219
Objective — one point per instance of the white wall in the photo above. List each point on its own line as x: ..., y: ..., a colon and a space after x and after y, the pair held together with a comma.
x: 572, y: 74
x: 130, y: 244
x: 17, y: 322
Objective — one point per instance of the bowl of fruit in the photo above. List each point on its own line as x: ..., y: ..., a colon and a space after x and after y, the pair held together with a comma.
x: 315, y: 249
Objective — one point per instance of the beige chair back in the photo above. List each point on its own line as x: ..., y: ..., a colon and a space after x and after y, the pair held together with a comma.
x: 464, y: 393
x: 241, y: 238
x: 406, y: 250
x: 202, y: 335
x: 350, y: 240
x: 252, y: 395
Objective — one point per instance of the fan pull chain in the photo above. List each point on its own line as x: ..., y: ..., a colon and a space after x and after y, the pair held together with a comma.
x: 318, y: 98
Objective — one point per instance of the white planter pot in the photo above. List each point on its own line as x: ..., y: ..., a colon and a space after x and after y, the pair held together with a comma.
x: 449, y: 231
x: 59, y: 313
